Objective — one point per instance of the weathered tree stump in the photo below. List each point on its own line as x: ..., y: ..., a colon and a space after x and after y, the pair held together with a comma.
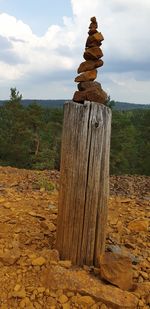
x: 84, y: 182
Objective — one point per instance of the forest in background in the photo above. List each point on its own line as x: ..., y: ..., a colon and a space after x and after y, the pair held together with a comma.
x: 30, y: 137
x: 121, y: 106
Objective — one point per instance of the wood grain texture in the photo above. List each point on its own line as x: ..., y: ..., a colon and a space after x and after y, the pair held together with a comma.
x: 84, y: 183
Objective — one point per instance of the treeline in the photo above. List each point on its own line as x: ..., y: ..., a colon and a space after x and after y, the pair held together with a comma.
x: 121, y: 106
x: 30, y: 137
x: 130, y: 142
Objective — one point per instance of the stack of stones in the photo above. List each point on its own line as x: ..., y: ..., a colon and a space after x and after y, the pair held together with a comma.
x: 90, y: 90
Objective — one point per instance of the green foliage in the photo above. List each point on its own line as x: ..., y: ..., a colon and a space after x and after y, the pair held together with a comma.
x: 43, y: 183
x: 130, y: 146
x: 14, y: 135
x: 15, y: 97
x: 30, y: 137
x: 110, y: 103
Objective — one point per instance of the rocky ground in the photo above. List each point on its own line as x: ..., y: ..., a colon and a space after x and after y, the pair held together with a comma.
x: 31, y: 273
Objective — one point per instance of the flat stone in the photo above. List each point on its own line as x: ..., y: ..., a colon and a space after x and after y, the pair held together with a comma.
x: 93, y: 19
x: 94, y: 40
x: 80, y: 281
x: 19, y: 294
x: 86, y: 85
x: 92, y: 31
x: 138, y: 225
x: 17, y: 287
x: 85, y: 300
x: 39, y: 261
x: 26, y: 303
x: 80, y: 96
x: 65, y: 263
x: 117, y: 269
x: 51, y: 227
x: 123, y: 251
x: 92, y: 95
x: 93, y: 24
x: 98, y: 36
x: 63, y: 299
x: 93, y: 53
x: 87, y: 76
x: 41, y: 290
x: 89, y: 65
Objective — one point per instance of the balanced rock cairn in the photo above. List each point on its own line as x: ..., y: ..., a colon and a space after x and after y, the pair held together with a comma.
x: 90, y: 90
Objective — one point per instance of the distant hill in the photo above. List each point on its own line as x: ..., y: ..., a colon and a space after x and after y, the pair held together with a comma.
x: 44, y: 103
x: 129, y: 106
x: 59, y: 104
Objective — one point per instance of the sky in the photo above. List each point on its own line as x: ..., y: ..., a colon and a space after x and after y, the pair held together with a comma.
x: 42, y: 44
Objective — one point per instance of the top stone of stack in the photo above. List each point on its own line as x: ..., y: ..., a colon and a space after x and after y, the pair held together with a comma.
x: 88, y: 89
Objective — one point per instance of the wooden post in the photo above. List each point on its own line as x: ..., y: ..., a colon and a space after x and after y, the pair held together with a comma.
x: 84, y: 182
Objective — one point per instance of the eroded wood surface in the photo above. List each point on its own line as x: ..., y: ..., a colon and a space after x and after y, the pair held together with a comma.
x: 82, y: 212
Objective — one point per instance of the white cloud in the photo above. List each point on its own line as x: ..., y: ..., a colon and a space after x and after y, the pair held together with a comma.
x: 10, y: 26
x: 125, y: 25
x: 37, y: 53
x: 130, y: 89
